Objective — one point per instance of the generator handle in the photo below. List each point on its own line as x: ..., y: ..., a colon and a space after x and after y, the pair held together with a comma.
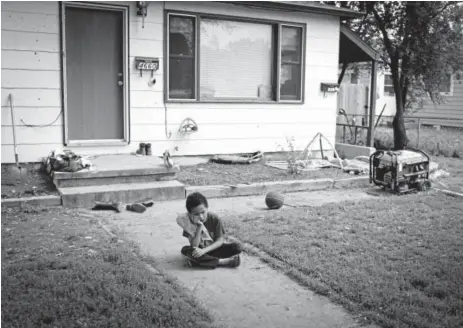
x: 374, y: 155
x: 420, y: 151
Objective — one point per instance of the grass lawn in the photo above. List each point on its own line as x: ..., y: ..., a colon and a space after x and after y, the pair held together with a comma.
x: 397, y: 261
x: 454, y: 166
x: 60, y: 269
x: 446, y: 141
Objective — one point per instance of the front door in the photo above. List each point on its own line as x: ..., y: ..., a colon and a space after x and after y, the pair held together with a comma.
x: 94, y: 74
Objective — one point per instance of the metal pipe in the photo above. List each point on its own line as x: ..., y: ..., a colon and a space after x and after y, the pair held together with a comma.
x: 418, y: 136
x: 16, y: 157
x: 370, y: 134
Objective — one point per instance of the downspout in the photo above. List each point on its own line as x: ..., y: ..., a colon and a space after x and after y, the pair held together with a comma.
x: 371, y: 121
x: 168, y: 134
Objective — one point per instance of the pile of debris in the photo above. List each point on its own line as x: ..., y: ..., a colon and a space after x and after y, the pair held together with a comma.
x: 65, y: 161
x: 238, y: 159
x: 358, y: 165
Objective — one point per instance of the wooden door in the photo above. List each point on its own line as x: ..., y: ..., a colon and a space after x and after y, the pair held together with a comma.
x: 94, y: 63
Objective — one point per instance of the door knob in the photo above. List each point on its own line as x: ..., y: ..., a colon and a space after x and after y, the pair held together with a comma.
x: 120, y: 83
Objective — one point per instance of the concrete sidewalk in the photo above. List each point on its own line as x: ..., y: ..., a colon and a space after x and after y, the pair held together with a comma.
x: 253, y: 295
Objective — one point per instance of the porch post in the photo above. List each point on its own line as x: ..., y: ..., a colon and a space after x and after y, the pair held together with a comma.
x: 371, y: 123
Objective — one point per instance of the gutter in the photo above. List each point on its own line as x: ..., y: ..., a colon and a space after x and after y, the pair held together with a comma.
x: 299, y: 7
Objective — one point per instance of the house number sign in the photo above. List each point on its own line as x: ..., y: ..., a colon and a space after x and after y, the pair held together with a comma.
x: 146, y: 63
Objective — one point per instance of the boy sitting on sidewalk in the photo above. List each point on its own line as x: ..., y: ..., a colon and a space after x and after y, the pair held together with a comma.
x: 206, y: 234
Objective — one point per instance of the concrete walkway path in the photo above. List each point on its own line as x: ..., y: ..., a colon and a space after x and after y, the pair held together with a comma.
x: 253, y: 295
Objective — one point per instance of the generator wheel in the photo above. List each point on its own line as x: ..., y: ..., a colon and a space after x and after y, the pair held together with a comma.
x: 428, y: 184
x: 423, y: 186
x: 420, y: 186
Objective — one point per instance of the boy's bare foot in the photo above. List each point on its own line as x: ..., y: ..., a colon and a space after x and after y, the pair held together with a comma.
x: 231, y: 262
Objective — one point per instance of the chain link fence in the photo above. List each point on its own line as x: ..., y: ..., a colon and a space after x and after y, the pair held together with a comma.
x: 436, y: 136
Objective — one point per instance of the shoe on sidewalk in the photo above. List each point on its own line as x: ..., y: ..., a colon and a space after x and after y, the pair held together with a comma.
x: 141, y: 149
x: 148, y: 202
x: 148, y: 149
x: 138, y: 208
x: 116, y: 206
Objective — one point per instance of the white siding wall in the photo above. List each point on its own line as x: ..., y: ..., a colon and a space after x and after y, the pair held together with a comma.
x: 31, y: 72
x: 30, y: 35
x: 384, y: 99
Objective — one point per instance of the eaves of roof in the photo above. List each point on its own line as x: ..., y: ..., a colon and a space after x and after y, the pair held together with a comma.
x: 301, y: 6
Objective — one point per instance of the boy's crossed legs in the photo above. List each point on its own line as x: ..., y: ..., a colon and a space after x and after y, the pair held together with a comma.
x: 226, y: 255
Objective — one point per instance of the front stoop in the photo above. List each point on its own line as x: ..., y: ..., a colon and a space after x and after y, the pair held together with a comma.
x: 85, y: 196
x: 106, y: 177
x: 119, y: 178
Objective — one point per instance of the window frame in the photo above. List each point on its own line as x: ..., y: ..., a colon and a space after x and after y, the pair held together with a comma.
x: 167, y: 61
x: 280, y: 63
x: 450, y: 92
x: 276, y: 63
x: 387, y: 94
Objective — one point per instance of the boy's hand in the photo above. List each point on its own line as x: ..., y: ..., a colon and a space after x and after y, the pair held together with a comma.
x: 198, y: 252
x: 196, y: 221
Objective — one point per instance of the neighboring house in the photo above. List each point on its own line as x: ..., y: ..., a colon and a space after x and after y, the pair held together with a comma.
x: 449, y: 112
x: 249, y: 74
x: 384, y: 92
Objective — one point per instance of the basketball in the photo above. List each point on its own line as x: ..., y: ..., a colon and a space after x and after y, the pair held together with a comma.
x: 274, y: 200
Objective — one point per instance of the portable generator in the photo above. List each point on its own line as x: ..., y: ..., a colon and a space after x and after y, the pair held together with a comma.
x: 400, y: 171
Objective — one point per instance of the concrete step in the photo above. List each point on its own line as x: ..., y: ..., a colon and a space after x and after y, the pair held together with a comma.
x: 85, y: 196
x: 106, y: 177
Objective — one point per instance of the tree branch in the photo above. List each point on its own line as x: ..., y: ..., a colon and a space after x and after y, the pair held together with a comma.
x: 448, y: 4
x: 343, y: 71
x: 382, y: 28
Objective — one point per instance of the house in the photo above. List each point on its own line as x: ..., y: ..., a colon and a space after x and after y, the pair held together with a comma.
x: 449, y: 112
x: 357, y: 79
x: 200, y: 77
x: 384, y: 93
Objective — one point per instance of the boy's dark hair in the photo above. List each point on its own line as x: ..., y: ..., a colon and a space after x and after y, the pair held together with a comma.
x: 195, y: 199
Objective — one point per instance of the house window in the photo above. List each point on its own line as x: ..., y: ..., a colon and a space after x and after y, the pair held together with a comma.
x: 239, y: 61
x: 235, y: 60
x: 445, y: 85
x: 291, y: 63
x: 182, y: 55
x: 388, y: 85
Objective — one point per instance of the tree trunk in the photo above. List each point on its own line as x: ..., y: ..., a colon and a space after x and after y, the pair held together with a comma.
x: 398, y: 125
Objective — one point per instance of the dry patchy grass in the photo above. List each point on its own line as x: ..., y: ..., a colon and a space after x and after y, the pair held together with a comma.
x: 215, y: 174
x: 453, y: 166
x: 446, y: 141
x: 396, y: 261
x: 35, y: 183
x: 60, y: 269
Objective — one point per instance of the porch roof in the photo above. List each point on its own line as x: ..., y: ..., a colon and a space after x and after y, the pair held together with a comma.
x: 353, y: 49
